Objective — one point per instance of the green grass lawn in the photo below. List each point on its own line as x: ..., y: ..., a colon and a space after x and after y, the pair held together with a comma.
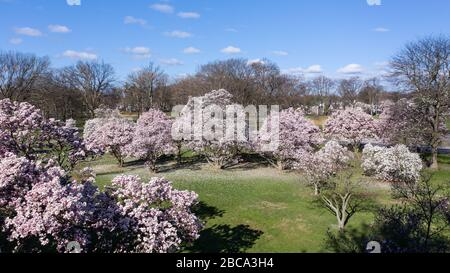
x: 254, y: 208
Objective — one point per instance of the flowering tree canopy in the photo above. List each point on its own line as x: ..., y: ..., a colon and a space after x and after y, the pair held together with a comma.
x: 202, y: 125
x: 297, y: 135
x: 25, y: 132
x: 159, y: 217
x: 351, y: 126
x: 396, y: 164
x: 42, y: 210
x: 152, y: 137
x: 320, y: 166
x: 109, y: 133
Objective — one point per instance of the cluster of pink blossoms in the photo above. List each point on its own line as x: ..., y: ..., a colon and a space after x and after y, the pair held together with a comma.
x: 320, y: 166
x: 109, y: 132
x: 152, y: 138
x: 25, y: 132
x: 42, y: 210
x: 351, y: 126
x: 297, y: 135
x: 220, y: 151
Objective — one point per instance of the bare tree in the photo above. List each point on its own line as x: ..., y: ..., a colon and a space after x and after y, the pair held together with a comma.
x: 423, y: 67
x: 322, y: 87
x: 19, y: 73
x: 56, y: 100
x: 250, y: 83
x: 349, y: 89
x: 143, y: 85
x: 371, y: 93
x: 234, y: 75
x: 93, y: 79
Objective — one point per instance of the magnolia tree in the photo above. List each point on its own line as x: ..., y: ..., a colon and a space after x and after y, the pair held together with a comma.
x: 25, y: 132
x: 43, y: 210
x: 344, y: 198
x: 203, y: 127
x: 319, y: 167
x: 351, y: 126
x: 109, y: 132
x: 396, y: 164
x: 296, y: 134
x: 152, y: 138
x: 158, y: 217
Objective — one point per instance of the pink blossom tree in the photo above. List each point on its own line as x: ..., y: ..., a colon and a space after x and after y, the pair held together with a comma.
x: 160, y: 217
x: 297, y: 135
x: 322, y: 165
x: 42, y: 210
x: 211, y: 143
x: 109, y: 133
x: 351, y: 126
x: 24, y: 131
x: 152, y: 138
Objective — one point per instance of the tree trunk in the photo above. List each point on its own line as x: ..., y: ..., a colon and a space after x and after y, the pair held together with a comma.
x: 179, y: 148
x: 341, y: 226
x: 280, y: 166
x: 316, y: 190
x: 435, y: 164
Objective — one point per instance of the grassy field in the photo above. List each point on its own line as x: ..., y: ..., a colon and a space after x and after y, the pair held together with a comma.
x: 254, y: 208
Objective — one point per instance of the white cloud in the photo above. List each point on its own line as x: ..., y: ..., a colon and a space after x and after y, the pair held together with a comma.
x: 15, y: 41
x: 313, y: 69
x: 27, y: 31
x: 351, y: 69
x: 189, y: 15
x: 171, y: 61
x: 280, y: 53
x: 191, y: 50
x: 374, y: 2
x: 59, y: 29
x: 164, y: 8
x: 139, y: 52
x: 79, y: 55
x: 74, y: 2
x: 178, y: 34
x: 132, y: 20
x: 231, y: 50
x: 381, y: 29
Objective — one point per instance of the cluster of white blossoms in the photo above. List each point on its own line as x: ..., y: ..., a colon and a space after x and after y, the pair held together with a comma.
x: 395, y: 164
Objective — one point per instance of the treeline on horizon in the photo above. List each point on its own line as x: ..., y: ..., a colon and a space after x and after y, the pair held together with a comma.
x: 74, y: 92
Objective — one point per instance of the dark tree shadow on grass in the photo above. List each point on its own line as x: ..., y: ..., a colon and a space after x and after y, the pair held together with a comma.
x: 206, y: 212
x: 226, y: 239
x: 249, y: 162
x: 221, y: 238
x: 192, y: 163
x: 134, y: 163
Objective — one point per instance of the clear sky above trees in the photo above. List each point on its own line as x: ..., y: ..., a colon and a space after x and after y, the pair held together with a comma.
x: 345, y: 36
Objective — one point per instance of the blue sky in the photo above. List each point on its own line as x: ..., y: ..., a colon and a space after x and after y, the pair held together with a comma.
x: 335, y: 37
